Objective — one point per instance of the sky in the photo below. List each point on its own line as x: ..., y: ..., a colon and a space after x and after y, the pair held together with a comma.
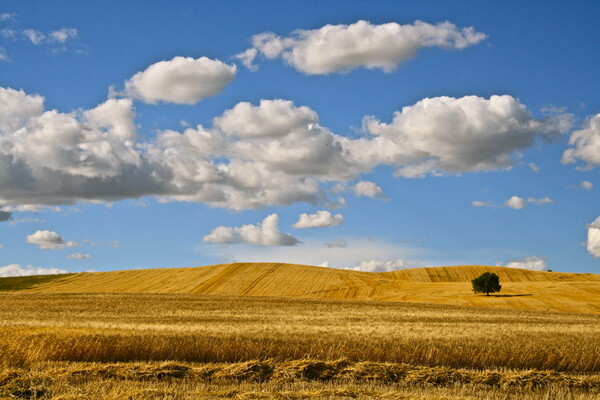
x: 363, y: 135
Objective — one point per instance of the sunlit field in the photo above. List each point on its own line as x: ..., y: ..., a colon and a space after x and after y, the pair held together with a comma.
x: 522, y: 289
x: 184, y: 346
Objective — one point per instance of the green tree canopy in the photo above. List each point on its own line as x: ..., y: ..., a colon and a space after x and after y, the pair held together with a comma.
x: 487, y: 283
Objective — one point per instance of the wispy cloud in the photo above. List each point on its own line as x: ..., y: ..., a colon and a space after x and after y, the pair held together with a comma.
x: 342, y: 253
x: 79, y: 256
x: 514, y: 202
x: 34, y: 36
x: 586, y: 185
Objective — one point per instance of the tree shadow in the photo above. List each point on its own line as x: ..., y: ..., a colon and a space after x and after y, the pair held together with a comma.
x: 510, y: 295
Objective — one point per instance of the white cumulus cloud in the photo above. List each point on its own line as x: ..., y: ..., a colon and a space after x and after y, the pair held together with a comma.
x: 253, y: 156
x: 593, y: 241
x: 587, y: 185
x: 339, y: 48
x: 532, y: 263
x: 516, y: 202
x: 18, y: 270
x: 17, y: 108
x: 585, y: 145
x: 49, y: 240
x: 266, y: 233
x: 182, y: 80
x: 446, y: 134
x: 320, y: 219
x: 368, y: 189
x: 274, y: 118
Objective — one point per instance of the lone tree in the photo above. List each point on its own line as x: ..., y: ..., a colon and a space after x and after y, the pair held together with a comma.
x: 487, y: 283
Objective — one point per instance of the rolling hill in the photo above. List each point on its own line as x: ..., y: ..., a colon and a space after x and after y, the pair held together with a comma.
x: 522, y: 289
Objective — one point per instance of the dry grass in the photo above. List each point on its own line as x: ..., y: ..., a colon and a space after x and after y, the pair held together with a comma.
x: 199, y: 346
x: 522, y: 289
x: 300, y: 379
x: 193, y: 328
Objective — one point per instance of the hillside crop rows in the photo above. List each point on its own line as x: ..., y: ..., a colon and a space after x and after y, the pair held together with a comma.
x: 177, y: 346
x: 522, y: 289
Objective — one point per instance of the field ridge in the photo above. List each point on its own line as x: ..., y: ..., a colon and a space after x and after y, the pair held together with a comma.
x: 522, y: 289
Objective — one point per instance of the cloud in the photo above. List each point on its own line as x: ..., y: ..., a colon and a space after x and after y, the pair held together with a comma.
x: 265, y: 233
x: 3, y: 55
x: 17, y: 108
x: 532, y: 263
x: 518, y: 203
x: 253, y: 156
x: 368, y: 189
x: 381, y: 266
x: 320, y: 219
x: 18, y: 270
x: 36, y: 37
x: 539, y: 202
x: 271, y: 118
x: 339, y: 48
x: 452, y: 135
x: 49, y: 240
x: 8, y: 33
x: 587, y: 185
x: 312, y: 252
x: 5, y: 216
x: 113, y: 243
x: 534, y: 167
x: 585, y: 145
x: 62, y: 35
x: 79, y: 256
x: 6, y: 16
x: 340, y: 243
x: 479, y: 203
x: 593, y: 242
x: 182, y: 80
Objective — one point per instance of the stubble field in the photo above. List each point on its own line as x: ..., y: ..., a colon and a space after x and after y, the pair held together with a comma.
x: 184, y: 346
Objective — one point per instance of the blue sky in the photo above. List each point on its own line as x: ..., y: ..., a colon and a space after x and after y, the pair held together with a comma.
x: 361, y: 135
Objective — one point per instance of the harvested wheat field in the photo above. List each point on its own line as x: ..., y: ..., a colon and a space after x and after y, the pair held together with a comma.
x: 522, y: 289
x: 245, y: 331
x: 288, y: 331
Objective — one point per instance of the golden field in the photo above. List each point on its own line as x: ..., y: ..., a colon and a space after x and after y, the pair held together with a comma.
x: 522, y: 289
x: 245, y: 331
